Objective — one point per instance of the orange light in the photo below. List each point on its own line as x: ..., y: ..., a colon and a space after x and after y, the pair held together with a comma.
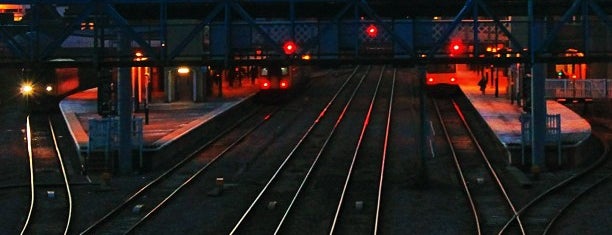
x: 452, y: 79
x: 183, y: 70
x: 17, y: 10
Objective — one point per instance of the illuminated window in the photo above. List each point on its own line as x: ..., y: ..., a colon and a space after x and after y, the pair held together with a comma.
x: 17, y: 10
x: 87, y: 25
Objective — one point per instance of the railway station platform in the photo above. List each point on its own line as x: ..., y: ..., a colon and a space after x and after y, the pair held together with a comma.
x: 502, y: 116
x: 171, y: 126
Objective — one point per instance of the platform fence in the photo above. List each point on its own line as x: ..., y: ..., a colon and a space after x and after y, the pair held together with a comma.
x: 553, y: 133
x: 578, y: 89
x: 104, y: 137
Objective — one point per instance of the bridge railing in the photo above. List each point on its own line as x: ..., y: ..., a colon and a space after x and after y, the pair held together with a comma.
x: 578, y: 89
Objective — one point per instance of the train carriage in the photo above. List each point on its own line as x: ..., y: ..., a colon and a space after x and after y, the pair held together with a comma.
x: 441, y: 74
x: 279, y: 82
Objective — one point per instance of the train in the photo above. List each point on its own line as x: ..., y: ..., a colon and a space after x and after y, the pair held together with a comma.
x: 43, y: 88
x: 280, y: 82
x: 441, y: 74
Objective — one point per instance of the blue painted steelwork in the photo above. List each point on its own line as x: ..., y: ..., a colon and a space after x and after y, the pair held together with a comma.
x: 538, y: 103
x: 516, y: 45
x: 203, y: 23
x: 450, y: 29
x: 129, y: 31
x: 68, y: 30
x: 12, y: 44
x: 403, y: 38
x: 564, y: 19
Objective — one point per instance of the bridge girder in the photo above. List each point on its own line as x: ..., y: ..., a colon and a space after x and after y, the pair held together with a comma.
x: 151, y: 35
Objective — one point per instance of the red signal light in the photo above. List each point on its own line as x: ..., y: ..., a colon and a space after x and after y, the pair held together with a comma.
x: 289, y: 47
x: 456, y: 48
x: 372, y: 31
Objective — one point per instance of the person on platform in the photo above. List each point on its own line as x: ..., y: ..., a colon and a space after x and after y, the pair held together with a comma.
x: 483, y: 84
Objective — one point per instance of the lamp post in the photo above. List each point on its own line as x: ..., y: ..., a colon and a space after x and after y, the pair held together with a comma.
x: 147, y: 94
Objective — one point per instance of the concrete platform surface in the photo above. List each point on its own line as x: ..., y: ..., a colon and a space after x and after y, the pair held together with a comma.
x: 167, y: 121
x: 503, y: 117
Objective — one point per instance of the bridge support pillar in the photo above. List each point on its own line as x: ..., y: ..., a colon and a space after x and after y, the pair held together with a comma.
x: 125, y: 112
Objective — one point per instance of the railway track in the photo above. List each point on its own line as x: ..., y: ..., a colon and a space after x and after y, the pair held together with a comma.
x: 288, y: 180
x: 50, y: 210
x: 541, y: 214
x: 360, y: 203
x: 485, y: 192
x: 304, y: 194
x: 327, y: 179
x: 145, y: 202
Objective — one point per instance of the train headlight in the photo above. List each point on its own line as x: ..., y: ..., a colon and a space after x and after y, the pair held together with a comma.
x: 26, y: 89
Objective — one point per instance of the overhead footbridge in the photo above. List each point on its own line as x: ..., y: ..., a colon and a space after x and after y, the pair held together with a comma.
x: 219, y: 32
x: 136, y: 44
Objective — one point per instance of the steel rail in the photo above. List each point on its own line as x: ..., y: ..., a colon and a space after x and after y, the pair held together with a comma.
x: 291, y: 153
x: 320, y: 153
x: 384, y: 155
x: 201, y: 170
x: 32, y: 186
x: 565, y: 183
x: 597, y: 183
x: 65, y: 176
x: 140, y: 192
x: 464, y: 182
x: 573, y: 200
x: 62, y: 169
x: 490, y: 167
x: 491, y: 170
x: 364, y: 127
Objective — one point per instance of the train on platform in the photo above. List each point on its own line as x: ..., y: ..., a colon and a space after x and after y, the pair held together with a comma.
x: 441, y: 74
x: 43, y: 88
x: 280, y: 82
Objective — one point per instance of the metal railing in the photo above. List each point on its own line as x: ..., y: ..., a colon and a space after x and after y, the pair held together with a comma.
x: 553, y: 134
x: 579, y: 89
